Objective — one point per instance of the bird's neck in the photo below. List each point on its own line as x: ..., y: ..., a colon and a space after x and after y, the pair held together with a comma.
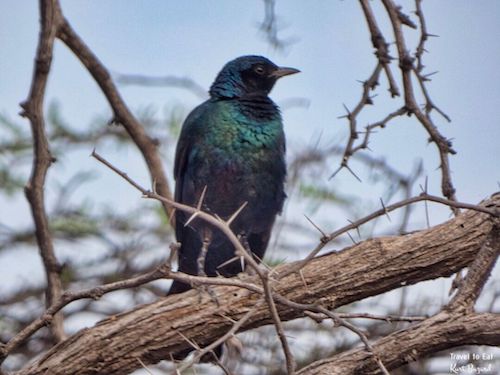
x: 257, y: 107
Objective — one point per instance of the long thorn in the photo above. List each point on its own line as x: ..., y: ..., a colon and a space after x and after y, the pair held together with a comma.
x: 202, y: 197
x: 191, y: 218
x: 385, y: 210
x: 235, y: 215
x: 323, y: 234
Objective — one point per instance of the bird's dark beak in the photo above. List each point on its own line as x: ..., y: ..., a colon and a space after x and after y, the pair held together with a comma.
x: 283, y: 71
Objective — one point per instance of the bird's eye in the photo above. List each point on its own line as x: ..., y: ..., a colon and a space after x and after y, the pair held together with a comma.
x: 259, y: 70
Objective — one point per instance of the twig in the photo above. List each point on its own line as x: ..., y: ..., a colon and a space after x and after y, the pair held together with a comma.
x: 170, y: 81
x: 144, y: 366
x: 338, y: 321
x: 290, y: 360
x: 380, y: 45
x: 386, y: 318
x: 213, y: 220
x: 269, y: 27
x: 368, y: 85
x: 232, y: 331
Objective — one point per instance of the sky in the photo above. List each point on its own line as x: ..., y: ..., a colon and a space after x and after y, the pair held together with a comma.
x: 194, y: 38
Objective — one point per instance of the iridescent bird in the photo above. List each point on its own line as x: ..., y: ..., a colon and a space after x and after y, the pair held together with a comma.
x: 231, y: 151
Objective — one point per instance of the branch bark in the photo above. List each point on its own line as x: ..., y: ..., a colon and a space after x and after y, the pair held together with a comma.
x: 50, y: 18
x: 153, y: 332
x: 442, y: 331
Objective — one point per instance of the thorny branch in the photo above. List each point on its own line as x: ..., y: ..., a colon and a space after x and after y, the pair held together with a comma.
x: 478, y: 272
x: 407, y: 67
x: 381, y: 49
x: 240, y: 251
x: 410, y: 107
x: 424, y: 196
x: 42, y: 158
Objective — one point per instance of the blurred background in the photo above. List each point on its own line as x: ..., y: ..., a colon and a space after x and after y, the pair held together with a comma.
x: 164, y: 56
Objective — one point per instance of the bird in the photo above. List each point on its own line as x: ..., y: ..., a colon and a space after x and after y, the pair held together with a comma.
x: 230, y: 156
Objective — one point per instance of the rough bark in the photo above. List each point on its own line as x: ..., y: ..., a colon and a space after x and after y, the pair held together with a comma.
x: 153, y: 332
x: 442, y: 331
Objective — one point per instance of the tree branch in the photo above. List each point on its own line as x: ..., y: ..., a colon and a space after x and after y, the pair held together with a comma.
x: 369, y: 268
x: 406, y: 64
x: 50, y: 19
x: 478, y: 272
x: 439, y: 332
x: 146, y: 144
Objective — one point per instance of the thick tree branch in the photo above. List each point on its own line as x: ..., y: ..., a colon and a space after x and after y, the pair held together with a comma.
x: 151, y: 333
x: 478, y: 272
x: 442, y: 331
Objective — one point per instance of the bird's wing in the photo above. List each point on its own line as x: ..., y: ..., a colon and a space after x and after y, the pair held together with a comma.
x: 184, y: 186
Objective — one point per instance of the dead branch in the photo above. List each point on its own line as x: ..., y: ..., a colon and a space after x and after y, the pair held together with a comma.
x: 42, y: 158
x: 122, y: 114
x: 407, y: 67
x: 442, y: 331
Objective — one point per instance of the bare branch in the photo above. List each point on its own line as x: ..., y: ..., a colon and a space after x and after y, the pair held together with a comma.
x: 440, y: 332
x: 269, y: 27
x: 169, y: 81
x: 290, y: 360
x: 407, y: 67
x: 146, y: 144
x: 213, y: 220
x: 50, y: 19
x: 380, y: 45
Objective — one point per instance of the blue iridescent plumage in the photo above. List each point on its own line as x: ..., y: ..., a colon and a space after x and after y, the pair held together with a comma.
x: 233, y: 146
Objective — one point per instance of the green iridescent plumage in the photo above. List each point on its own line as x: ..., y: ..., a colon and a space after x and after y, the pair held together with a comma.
x: 232, y: 146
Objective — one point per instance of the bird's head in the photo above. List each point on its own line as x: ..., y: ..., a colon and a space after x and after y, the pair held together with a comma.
x: 248, y: 75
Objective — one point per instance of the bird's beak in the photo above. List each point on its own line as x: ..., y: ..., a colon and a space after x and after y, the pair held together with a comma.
x: 283, y: 71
